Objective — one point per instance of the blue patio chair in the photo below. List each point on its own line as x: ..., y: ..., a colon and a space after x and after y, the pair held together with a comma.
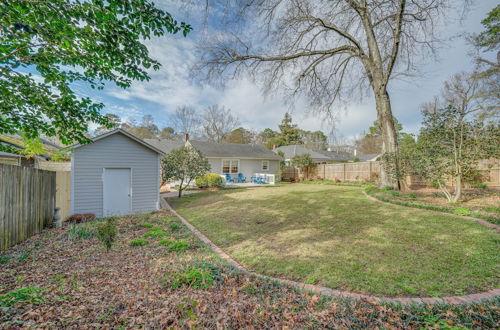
x: 229, y: 178
x: 242, y: 178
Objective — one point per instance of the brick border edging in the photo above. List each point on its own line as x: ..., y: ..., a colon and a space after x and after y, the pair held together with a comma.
x: 454, y: 300
x: 481, y: 221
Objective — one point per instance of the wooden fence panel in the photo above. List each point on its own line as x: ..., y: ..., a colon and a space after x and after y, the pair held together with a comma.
x: 63, y: 193
x: 27, y: 202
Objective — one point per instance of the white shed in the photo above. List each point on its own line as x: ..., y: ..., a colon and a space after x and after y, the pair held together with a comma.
x: 116, y: 174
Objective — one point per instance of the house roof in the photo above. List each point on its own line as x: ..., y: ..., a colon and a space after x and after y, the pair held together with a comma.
x: 16, y: 142
x: 119, y: 131
x: 367, y: 157
x: 337, y: 155
x: 233, y: 150
x: 296, y: 149
x: 8, y: 154
x: 165, y: 145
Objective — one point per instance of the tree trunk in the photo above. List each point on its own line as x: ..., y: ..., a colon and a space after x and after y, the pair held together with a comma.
x: 458, y: 189
x: 180, y: 189
x: 389, y: 137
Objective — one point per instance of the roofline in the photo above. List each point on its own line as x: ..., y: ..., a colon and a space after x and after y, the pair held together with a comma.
x: 233, y: 157
x: 119, y: 130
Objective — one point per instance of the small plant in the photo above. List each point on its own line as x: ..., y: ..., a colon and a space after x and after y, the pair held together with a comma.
x: 155, y: 232
x: 30, y: 294
x: 387, y: 188
x: 482, y: 186
x: 311, y: 280
x: 138, y: 242
x: 147, y: 225
x: 24, y: 256
x: 106, y: 232
x: 80, y: 232
x: 463, y: 211
x: 179, y: 246
x: 4, y: 259
x: 194, y: 277
x: 165, y: 241
x: 453, y: 203
x: 395, y: 193
x: 174, y: 226
x: 411, y: 195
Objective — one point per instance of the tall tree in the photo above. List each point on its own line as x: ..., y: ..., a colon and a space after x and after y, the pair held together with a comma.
x: 48, y: 46
x: 269, y: 138
x: 328, y: 47
x: 186, y: 120
x: 316, y: 140
x: 240, y: 135
x: 289, y: 133
x: 218, y: 122
x: 114, y: 122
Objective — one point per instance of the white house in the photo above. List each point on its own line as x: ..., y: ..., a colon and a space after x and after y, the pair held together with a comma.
x: 116, y: 174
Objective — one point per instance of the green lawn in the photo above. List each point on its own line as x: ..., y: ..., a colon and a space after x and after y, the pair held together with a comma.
x: 334, y: 236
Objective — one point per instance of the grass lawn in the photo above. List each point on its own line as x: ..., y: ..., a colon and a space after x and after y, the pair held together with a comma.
x: 334, y: 236
x: 159, y: 276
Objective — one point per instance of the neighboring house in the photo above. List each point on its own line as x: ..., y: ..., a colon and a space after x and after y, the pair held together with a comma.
x: 318, y: 157
x: 116, y: 174
x: 229, y: 158
x: 368, y: 157
x: 9, y: 158
x: 15, y: 143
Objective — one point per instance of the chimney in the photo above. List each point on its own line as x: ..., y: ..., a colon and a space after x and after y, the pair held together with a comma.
x: 186, y: 137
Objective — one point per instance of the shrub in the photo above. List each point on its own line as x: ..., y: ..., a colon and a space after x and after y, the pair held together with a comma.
x: 482, y: 186
x: 462, y: 211
x: 197, y: 277
x: 30, y: 294
x: 106, y: 232
x: 138, y: 242
x: 411, y: 195
x: 179, y: 246
x: 209, y: 180
x: 4, y: 259
x: 395, y: 193
x: 80, y: 232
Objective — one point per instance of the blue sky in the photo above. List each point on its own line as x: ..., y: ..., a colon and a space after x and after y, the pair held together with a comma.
x: 172, y: 86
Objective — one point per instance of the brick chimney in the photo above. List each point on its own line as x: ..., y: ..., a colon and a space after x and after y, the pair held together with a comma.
x: 186, y: 137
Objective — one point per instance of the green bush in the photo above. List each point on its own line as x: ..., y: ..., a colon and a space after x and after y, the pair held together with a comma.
x: 411, y: 195
x: 209, y: 180
x: 80, y: 232
x: 178, y: 246
x: 106, y: 232
x: 194, y: 277
x: 462, y: 211
x: 138, y: 242
x: 482, y: 186
x: 30, y: 294
x: 395, y: 193
x: 4, y: 259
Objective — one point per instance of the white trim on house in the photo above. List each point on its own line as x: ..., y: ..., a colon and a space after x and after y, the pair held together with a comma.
x: 230, y: 160
x: 131, y: 188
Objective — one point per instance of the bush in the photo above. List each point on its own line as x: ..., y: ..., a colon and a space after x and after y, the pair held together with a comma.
x: 482, y: 186
x: 197, y: 277
x: 30, y: 294
x: 80, y: 232
x: 462, y: 211
x: 178, y: 246
x: 138, y: 242
x: 209, y: 180
x: 4, y: 259
x: 106, y: 232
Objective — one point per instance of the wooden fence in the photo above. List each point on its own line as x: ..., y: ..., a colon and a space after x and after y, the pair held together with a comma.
x: 27, y: 202
x: 370, y: 171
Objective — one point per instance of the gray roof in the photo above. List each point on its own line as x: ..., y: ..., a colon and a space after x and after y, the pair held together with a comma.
x: 296, y: 149
x: 165, y: 145
x: 366, y: 157
x: 233, y: 150
x: 337, y: 155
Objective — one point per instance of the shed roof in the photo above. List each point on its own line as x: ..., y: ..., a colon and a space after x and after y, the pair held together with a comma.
x: 233, y: 150
x: 120, y: 131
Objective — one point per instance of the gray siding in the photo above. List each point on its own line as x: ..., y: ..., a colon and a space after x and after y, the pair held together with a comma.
x: 247, y: 166
x: 115, y: 151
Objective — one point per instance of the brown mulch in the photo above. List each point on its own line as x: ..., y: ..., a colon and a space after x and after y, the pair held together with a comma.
x: 85, y: 287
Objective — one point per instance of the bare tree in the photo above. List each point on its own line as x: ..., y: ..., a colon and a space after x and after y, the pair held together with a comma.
x: 328, y: 49
x: 218, y: 122
x: 186, y: 120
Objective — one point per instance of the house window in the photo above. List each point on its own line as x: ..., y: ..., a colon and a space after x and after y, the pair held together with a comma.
x: 230, y: 166
x: 265, y: 165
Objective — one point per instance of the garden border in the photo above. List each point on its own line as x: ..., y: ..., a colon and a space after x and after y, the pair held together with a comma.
x: 478, y: 220
x: 453, y: 300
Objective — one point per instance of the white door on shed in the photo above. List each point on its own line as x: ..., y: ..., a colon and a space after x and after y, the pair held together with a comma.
x: 116, y: 191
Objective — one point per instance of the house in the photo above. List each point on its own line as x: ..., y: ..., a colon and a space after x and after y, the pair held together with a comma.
x: 116, y: 174
x: 9, y: 158
x: 17, y: 145
x: 229, y: 158
x: 318, y: 157
x: 368, y: 157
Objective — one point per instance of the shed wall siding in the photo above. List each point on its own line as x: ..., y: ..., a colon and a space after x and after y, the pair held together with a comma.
x: 116, y: 151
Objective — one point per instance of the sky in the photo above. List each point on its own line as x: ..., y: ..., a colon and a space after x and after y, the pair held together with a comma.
x: 173, y: 86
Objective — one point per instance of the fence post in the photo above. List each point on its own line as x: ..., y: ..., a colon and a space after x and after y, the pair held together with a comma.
x: 370, y: 174
x: 344, y: 171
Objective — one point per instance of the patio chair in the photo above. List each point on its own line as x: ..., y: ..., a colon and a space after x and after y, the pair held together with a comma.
x: 242, y: 178
x: 229, y: 178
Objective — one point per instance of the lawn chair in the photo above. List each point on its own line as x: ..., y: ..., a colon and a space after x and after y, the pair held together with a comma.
x: 229, y: 178
x: 242, y: 178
